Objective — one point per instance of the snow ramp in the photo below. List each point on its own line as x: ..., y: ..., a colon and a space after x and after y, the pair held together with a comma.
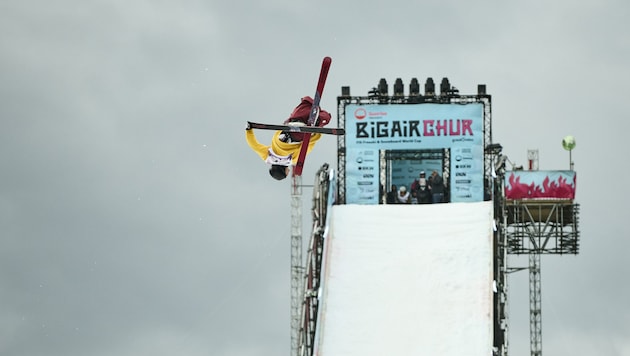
x: 407, y: 280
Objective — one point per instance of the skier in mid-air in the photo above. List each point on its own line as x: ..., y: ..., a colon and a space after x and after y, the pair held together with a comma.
x: 285, y: 145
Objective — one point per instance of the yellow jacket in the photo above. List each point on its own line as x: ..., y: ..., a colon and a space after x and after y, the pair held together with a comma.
x: 278, y: 147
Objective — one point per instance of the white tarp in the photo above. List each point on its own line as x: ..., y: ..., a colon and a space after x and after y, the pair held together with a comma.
x: 407, y: 280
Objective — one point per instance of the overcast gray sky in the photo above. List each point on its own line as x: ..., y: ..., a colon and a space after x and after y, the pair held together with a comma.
x: 135, y: 220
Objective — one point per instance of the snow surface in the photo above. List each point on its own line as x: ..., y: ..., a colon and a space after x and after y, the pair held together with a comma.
x: 407, y: 280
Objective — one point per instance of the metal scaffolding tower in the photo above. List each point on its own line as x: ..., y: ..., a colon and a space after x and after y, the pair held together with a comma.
x: 297, y: 270
x: 535, y: 307
x: 536, y: 227
x: 305, y: 275
x: 323, y: 198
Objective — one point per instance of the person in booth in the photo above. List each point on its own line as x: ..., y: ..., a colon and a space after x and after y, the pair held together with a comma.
x: 421, y: 187
x: 436, y: 184
x: 391, y: 195
x: 403, y: 196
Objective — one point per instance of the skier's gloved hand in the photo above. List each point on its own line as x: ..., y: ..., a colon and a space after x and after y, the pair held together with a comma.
x: 249, y: 127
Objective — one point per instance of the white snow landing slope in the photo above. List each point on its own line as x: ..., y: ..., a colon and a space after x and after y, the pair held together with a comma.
x: 407, y: 280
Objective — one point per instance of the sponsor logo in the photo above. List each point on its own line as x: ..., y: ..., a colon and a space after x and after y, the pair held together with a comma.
x: 360, y: 113
x: 360, y: 160
x: 366, y: 190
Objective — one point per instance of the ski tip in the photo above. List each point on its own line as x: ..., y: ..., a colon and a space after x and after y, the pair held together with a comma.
x: 327, y: 59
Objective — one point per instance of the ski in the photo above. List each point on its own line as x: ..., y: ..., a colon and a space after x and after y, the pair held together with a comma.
x: 312, y: 119
x: 306, y: 129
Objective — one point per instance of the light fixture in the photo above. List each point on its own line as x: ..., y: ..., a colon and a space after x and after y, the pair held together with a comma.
x: 382, y: 87
x: 429, y: 87
x: 445, y: 86
x: 399, y: 88
x: 414, y: 87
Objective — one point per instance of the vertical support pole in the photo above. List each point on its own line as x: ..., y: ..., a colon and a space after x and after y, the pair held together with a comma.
x: 296, y: 261
x: 532, y: 158
x: 385, y: 177
x: 504, y: 300
x: 502, y: 259
x: 535, y: 305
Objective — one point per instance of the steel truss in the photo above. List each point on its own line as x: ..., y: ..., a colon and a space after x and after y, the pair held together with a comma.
x: 323, y: 197
x: 542, y: 227
x: 297, y: 270
x: 495, y: 188
x: 536, y: 227
x: 535, y: 305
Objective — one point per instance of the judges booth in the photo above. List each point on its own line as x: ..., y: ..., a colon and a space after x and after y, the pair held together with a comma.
x: 541, y: 214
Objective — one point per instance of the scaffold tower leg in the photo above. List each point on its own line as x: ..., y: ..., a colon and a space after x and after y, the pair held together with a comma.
x: 296, y: 261
x: 535, y: 307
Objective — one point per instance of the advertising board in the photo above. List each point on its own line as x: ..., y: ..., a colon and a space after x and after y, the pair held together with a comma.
x: 375, y: 127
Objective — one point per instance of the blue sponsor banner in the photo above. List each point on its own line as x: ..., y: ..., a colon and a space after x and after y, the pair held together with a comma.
x: 362, y: 176
x: 371, y: 128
